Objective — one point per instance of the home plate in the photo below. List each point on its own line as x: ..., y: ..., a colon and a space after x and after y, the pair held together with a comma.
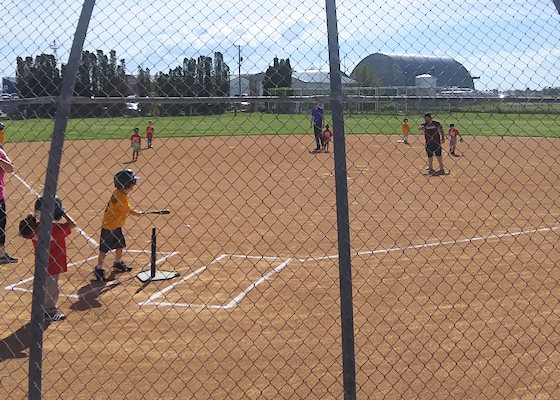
x: 146, y: 276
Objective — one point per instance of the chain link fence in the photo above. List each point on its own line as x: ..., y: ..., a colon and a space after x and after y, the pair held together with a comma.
x: 409, y: 256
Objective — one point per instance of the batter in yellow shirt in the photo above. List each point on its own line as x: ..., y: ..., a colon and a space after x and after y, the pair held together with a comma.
x: 117, y: 210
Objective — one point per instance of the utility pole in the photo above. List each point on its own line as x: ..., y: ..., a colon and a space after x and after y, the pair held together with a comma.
x: 240, y: 59
x: 54, y: 47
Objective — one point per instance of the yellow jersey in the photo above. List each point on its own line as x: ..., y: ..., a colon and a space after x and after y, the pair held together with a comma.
x: 116, y: 211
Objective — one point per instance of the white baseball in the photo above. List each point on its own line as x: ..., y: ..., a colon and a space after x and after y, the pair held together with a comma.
x: 188, y: 227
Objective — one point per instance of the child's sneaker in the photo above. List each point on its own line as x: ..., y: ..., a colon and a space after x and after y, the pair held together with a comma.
x: 121, y: 267
x: 52, y: 317
x: 7, y: 259
x: 99, y: 274
x: 431, y: 171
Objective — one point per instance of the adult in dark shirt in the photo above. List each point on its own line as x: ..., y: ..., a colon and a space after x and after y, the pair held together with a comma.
x: 433, y: 133
x: 318, y: 122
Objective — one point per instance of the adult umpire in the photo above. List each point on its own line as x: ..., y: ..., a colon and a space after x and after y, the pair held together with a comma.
x: 433, y: 133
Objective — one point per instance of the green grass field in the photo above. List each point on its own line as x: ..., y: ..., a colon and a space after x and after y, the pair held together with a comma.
x: 533, y: 125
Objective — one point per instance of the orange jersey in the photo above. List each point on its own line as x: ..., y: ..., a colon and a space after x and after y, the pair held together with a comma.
x: 116, y: 211
x: 405, y: 128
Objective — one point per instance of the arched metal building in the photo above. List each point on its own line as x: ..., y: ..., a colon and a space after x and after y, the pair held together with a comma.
x: 401, y: 70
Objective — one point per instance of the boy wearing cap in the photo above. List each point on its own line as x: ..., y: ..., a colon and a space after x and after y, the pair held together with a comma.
x: 114, y: 218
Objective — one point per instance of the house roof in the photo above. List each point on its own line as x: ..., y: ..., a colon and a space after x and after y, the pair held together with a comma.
x: 316, y: 76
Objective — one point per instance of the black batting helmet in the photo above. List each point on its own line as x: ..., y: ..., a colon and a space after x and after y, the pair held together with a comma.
x: 59, y: 209
x: 125, y: 178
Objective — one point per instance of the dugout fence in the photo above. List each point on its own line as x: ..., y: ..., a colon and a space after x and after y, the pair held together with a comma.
x: 358, y: 270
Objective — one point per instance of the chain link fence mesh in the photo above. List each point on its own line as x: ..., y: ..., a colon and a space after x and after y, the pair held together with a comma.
x: 454, y: 274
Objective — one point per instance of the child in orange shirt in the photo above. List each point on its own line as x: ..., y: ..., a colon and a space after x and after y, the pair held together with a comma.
x: 405, y: 127
x: 327, y: 135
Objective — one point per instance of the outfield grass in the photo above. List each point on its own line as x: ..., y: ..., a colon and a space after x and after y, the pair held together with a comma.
x: 534, y: 125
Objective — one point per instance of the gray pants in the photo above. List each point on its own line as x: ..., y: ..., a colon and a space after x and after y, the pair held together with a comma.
x: 452, y: 144
x: 52, y: 291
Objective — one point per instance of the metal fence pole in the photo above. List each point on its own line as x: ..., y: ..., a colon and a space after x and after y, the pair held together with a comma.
x: 343, y: 224
x: 51, y: 181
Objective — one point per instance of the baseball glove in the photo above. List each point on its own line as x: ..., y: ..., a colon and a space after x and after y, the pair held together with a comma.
x: 27, y: 226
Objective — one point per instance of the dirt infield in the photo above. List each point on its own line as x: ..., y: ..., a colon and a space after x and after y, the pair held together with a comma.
x: 455, y: 276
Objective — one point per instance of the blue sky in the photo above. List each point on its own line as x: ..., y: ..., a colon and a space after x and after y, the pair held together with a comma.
x: 509, y: 44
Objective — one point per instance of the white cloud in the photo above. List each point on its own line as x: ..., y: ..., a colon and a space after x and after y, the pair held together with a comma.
x: 509, y: 42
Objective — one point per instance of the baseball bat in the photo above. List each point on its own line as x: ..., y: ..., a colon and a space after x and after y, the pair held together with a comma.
x: 158, y: 212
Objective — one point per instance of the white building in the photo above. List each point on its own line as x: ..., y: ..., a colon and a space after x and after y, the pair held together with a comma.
x: 306, y: 83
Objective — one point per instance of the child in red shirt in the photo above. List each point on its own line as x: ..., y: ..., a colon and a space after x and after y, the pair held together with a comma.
x: 150, y: 133
x: 135, y: 142
x: 453, y: 134
x: 57, y: 254
x: 327, y: 135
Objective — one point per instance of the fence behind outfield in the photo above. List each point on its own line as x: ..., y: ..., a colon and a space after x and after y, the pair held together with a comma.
x: 353, y: 270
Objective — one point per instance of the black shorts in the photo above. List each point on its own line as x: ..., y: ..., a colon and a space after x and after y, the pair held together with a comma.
x: 111, y: 240
x: 433, y: 149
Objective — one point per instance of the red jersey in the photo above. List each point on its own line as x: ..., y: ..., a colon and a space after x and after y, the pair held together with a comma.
x: 149, y: 131
x: 327, y: 135
x: 453, y: 132
x: 57, y: 250
x: 135, y: 138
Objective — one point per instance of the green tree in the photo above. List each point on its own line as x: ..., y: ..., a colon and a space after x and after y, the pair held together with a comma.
x: 144, y: 88
x: 221, y: 81
x: 278, y: 75
x: 38, y: 78
x: 366, y: 77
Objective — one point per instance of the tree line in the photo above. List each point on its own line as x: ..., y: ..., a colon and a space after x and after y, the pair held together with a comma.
x: 101, y: 75
x: 104, y: 75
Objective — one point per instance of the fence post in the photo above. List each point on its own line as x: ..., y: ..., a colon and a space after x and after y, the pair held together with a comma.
x: 51, y: 181
x: 343, y: 224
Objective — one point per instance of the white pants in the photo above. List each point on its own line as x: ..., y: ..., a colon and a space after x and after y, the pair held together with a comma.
x: 452, y: 144
x: 52, y: 291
